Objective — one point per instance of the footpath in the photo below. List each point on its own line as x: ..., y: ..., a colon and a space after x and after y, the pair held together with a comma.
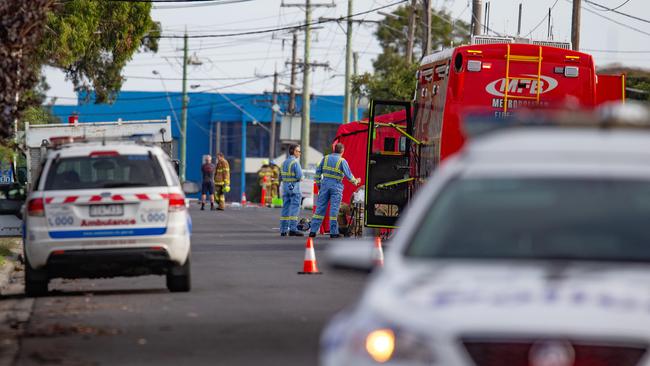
x: 15, y: 309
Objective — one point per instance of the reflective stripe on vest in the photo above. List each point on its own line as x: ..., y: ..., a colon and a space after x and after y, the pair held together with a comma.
x: 333, y: 172
x: 288, y: 175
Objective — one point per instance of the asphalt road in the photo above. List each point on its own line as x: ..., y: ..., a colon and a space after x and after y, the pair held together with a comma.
x: 247, y: 306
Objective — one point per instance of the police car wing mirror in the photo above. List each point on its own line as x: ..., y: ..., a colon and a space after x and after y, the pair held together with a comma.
x: 190, y: 187
x: 356, y: 255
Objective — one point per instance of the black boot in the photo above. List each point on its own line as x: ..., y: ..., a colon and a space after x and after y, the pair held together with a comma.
x: 202, y: 206
x: 296, y: 233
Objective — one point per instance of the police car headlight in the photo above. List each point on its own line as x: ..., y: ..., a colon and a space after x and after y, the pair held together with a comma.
x: 398, y: 345
x: 388, y: 345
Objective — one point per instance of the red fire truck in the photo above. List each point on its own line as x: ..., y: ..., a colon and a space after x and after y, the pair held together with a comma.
x: 491, y: 75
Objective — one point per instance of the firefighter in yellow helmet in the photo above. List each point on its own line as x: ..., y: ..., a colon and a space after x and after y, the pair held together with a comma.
x: 275, y: 180
x: 265, y: 175
x: 221, y: 181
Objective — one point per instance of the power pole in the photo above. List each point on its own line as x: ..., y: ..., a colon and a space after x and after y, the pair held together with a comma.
x: 273, y: 116
x: 355, y: 99
x: 306, y: 82
x: 292, y: 86
x: 477, y: 8
x: 549, y: 32
x: 486, y: 21
x: 575, y: 25
x: 348, y: 67
x: 427, y: 22
x: 184, y: 111
x: 306, y: 90
x: 519, y: 22
x: 411, y: 30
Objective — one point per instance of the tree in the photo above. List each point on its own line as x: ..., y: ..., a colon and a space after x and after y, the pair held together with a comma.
x: 90, y: 40
x: 21, y: 31
x: 394, y: 78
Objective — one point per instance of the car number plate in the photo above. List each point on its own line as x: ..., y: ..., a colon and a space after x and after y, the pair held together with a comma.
x: 106, y: 210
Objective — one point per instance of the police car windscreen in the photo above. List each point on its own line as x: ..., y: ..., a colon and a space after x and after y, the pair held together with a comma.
x: 104, y: 172
x: 527, y: 218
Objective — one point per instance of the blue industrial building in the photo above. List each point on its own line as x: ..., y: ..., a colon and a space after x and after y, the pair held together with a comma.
x: 216, y: 122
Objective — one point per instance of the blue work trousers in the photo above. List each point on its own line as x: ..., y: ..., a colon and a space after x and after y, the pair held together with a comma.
x: 290, y: 207
x: 331, y: 190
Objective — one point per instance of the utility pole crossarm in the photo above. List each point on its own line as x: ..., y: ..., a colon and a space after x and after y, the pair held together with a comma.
x: 344, y: 19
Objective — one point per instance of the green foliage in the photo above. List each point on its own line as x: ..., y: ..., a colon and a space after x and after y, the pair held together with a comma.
x: 38, y: 115
x: 396, y: 82
x: 394, y: 78
x: 92, y: 41
x: 6, y: 151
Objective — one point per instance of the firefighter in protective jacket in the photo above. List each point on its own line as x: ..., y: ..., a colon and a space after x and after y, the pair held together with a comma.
x: 265, y: 175
x: 221, y: 181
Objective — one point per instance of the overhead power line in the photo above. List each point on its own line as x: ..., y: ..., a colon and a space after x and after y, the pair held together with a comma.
x: 613, y: 10
x: 612, y: 20
x: 271, y: 30
x: 166, y: 7
x: 617, y: 7
x: 169, y: 1
x: 198, y: 105
x: 251, y: 80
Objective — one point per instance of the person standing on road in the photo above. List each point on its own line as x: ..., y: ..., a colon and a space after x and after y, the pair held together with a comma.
x: 333, y: 168
x: 291, y: 175
x: 275, y: 181
x: 265, y: 175
x: 207, y: 181
x: 222, y: 181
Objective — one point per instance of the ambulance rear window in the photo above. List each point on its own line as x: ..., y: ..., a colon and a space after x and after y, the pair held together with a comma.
x: 88, y: 172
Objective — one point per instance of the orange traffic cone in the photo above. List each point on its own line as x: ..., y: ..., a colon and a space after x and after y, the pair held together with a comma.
x: 309, y: 266
x: 378, y: 253
x: 243, y: 199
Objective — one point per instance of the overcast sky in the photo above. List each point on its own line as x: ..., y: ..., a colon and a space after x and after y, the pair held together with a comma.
x: 233, y: 63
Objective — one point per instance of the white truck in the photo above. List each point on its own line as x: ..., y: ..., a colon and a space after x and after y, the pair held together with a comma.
x: 39, y: 137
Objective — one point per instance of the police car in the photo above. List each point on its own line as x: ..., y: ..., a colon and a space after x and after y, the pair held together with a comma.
x: 104, y: 210
x: 529, y: 248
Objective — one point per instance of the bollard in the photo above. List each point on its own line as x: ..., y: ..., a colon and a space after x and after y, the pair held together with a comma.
x: 264, y: 185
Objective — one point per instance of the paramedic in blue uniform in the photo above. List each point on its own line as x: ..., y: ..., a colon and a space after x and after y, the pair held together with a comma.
x: 290, y: 176
x: 333, y: 169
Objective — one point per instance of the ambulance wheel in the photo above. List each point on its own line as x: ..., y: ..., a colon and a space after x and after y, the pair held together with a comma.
x: 36, y: 281
x: 179, y: 278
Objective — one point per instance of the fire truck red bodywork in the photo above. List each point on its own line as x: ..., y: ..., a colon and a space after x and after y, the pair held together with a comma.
x: 447, y: 89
